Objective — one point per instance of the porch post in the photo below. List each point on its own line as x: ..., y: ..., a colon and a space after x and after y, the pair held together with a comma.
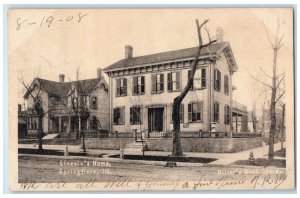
x: 59, y: 124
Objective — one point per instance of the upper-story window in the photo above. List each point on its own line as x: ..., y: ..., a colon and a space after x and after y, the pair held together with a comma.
x: 174, y: 81
x: 226, y: 84
x: 138, y: 85
x: 157, y: 83
x: 217, y: 80
x: 199, y: 78
x: 121, y: 87
x: 94, y: 102
x: 64, y: 101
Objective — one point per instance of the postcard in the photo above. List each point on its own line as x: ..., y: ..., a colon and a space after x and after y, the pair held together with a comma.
x: 156, y: 99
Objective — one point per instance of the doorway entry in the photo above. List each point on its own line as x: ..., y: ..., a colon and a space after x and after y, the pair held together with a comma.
x: 155, y: 119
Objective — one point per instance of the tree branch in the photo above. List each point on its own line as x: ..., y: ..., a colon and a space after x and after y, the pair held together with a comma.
x: 280, y: 96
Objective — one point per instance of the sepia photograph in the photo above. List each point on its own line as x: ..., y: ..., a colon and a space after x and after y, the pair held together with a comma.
x: 151, y: 99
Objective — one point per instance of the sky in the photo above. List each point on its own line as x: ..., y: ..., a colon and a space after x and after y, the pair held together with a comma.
x: 47, y: 43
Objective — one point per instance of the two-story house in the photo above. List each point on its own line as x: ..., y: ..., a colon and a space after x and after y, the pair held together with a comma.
x: 57, y: 103
x: 143, y: 89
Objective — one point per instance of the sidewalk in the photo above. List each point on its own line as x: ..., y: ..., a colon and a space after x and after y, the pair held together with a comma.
x: 222, y: 158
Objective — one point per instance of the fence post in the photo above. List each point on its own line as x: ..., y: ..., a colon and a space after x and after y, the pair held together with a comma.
x: 116, y: 134
x: 134, y: 134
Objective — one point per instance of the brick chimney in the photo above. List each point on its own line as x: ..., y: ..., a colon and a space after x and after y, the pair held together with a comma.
x: 128, y: 51
x: 99, y: 73
x: 219, y: 34
x: 61, y: 78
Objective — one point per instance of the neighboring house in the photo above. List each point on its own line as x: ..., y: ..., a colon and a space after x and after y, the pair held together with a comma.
x: 22, y: 124
x: 60, y: 117
x: 143, y: 89
x: 264, y: 122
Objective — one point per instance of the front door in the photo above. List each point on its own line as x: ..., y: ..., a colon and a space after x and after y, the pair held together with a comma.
x: 155, y: 119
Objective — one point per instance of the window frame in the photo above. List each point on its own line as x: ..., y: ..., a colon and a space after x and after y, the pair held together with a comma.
x: 171, y: 81
x: 94, y: 106
x: 226, y: 114
x: 132, y: 117
x: 121, y: 84
x: 202, y: 79
x: 138, y: 89
x: 191, y: 112
x: 122, y: 122
x: 156, y: 84
x: 217, y: 80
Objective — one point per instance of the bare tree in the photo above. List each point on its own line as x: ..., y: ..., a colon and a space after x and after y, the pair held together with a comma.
x: 276, y: 81
x: 79, y: 106
x: 35, y: 92
x: 177, y: 150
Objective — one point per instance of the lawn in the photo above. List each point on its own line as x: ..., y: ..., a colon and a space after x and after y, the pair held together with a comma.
x: 280, y: 163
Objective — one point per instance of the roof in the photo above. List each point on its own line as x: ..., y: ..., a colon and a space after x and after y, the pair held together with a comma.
x: 61, y: 89
x: 212, y: 49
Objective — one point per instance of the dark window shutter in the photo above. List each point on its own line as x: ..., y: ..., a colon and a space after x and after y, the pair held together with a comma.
x: 134, y: 85
x: 142, y: 84
x: 118, y: 81
x: 219, y: 79
x: 115, y: 116
x: 190, y: 112
x: 131, y: 115
x: 203, y: 78
x: 125, y: 86
x: 225, y: 114
x: 153, y: 77
x: 169, y: 81
x: 178, y: 80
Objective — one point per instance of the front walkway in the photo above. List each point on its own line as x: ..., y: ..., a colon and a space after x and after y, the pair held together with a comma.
x: 222, y: 158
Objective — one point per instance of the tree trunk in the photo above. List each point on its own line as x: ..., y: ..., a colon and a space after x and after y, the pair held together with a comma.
x: 40, y: 134
x: 177, y: 150
x: 282, y: 126
x: 254, y: 121
x: 272, y: 110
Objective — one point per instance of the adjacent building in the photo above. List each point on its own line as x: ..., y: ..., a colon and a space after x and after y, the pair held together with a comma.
x: 58, y: 104
x: 143, y: 88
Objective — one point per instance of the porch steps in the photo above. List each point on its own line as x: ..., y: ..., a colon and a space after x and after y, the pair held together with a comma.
x: 135, y: 148
x: 51, y: 136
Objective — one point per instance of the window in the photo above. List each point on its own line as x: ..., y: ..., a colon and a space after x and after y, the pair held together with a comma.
x: 157, y: 83
x: 217, y: 80
x: 94, y: 102
x: 122, y: 87
x: 181, y: 112
x: 216, y: 112
x: 174, y: 81
x: 119, y: 115
x: 226, y: 85
x: 199, y: 78
x: 135, y: 115
x: 195, y: 112
x: 226, y: 114
x: 138, y: 85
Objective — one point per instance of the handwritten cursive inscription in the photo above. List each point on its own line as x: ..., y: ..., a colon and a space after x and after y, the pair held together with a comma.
x: 48, y: 21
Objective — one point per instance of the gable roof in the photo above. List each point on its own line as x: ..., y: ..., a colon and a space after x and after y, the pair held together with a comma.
x: 212, y: 49
x: 61, y: 89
